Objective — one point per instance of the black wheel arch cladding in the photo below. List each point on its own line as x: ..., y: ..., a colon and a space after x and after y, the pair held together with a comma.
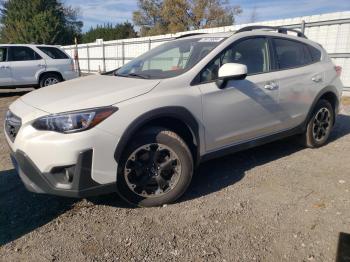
x: 325, y: 93
x: 175, y: 112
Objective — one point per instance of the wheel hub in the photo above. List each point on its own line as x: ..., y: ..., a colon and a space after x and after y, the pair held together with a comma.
x: 50, y: 81
x: 152, y: 170
x: 322, y: 124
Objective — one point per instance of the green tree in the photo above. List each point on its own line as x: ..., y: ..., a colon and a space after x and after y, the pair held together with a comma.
x: 38, y: 21
x: 171, y: 16
x: 149, y: 17
x: 109, y: 32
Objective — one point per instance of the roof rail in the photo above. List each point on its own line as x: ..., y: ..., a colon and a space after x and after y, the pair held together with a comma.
x: 188, y: 35
x: 281, y: 30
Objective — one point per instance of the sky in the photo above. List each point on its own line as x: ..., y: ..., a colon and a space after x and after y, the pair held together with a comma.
x: 95, y: 12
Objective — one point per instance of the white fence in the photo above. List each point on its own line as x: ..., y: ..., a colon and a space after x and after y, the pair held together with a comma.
x: 331, y: 30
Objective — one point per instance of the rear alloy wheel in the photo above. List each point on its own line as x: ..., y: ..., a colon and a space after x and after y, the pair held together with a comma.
x: 320, y: 125
x: 155, y: 169
x: 49, y: 79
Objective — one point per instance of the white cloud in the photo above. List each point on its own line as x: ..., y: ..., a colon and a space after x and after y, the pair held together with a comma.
x: 274, y: 9
x: 103, y: 11
x: 100, y: 12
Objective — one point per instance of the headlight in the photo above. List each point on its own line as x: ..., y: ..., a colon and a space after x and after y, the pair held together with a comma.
x: 73, y: 122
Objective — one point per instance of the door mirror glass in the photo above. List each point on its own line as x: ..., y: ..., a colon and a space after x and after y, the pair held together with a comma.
x: 231, y: 71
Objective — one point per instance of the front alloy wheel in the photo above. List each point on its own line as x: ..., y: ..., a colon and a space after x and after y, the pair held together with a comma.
x: 156, y: 168
x: 152, y: 170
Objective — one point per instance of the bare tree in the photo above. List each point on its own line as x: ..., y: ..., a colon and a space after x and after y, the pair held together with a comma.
x: 171, y: 16
x: 254, y: 15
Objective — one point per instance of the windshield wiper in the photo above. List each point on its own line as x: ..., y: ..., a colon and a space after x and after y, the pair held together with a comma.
x: 134, y: 75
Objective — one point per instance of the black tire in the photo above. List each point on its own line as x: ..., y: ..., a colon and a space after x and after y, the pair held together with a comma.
x: 134, y: 168
x: 310, y: 138
x: 49, y: 79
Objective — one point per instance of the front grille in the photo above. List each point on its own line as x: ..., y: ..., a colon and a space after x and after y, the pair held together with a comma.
x: 12, y: 125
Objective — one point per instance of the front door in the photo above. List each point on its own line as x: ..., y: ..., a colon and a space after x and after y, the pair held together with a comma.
x: 244, y: 109
x: 5, y: 69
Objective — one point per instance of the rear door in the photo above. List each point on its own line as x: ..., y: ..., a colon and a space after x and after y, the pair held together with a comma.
x: 5, y: 68
x: 299, y: 77
x: 26, y: 65
x: 57, y: 61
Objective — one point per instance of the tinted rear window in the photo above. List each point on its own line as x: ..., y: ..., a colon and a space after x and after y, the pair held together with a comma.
x: 291, y: 53
x: 53, y: 52
x: 315, y: 53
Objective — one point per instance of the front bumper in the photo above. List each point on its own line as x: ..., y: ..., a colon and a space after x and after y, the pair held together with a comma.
x: 69, y: 181
x: 45, y: 159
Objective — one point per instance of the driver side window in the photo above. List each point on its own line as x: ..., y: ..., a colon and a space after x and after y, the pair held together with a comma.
x: 254, y: 53
x: 172, y: 59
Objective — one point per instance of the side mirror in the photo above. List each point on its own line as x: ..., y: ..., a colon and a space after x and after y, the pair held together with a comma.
x: 231, y: 71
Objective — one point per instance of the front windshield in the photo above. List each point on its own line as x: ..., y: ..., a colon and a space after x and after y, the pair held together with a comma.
x: 170, y: 59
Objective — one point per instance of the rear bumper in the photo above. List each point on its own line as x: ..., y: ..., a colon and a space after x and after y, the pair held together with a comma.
x: 69, y: 181
x: 68, y: 75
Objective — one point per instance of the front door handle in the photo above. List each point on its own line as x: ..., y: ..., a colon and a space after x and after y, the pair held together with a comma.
x: 5, y: 67
x: 271, y: 86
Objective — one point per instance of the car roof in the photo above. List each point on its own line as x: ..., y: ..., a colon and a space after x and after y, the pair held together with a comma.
x: 258, y: 32
x: 28, y: 45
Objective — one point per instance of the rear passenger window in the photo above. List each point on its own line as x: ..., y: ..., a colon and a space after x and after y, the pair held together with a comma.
x: 315, y: 53
x: 3, y: 54
x: 53, y: 52
x: 291, y: 54
x: 23, y: 53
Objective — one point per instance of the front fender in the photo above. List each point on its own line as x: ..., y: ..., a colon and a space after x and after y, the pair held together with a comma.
x: 179, y: 113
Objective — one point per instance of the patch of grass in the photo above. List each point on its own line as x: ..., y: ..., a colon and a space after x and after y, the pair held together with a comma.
x: 346, y: 101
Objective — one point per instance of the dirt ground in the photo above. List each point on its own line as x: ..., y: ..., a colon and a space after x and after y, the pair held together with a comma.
x: 278, y: 202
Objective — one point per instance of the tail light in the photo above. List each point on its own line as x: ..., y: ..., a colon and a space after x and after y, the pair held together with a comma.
x: 338, y: 69
x: 72, y: 67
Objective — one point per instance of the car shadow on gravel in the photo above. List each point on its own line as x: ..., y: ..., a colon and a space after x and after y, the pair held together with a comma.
x: 13, y: 93
x: 22, y: 211
x: 217, y: 174
x: 220, y: 173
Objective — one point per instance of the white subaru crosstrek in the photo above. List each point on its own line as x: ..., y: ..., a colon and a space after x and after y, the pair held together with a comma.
x: 34, y: 65
x: 142, y: 131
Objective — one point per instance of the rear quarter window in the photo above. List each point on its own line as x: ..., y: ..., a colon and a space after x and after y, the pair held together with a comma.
x: 315, y: 53
x: 291, y: 54
x: 53, y: 52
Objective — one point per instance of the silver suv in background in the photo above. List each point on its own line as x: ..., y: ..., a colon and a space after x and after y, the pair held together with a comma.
x: 34, y: 65
x: 142, y: 131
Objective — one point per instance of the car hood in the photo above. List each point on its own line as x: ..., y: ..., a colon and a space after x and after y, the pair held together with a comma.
x: 87, y: 92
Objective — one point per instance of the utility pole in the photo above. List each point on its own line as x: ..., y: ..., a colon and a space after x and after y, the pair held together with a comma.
x: 76, y: 57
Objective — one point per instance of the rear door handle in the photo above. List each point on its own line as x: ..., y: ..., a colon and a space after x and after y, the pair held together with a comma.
x: 317, y: 78
x: 41, y: 65
x: 271, y: 86
x: 5, y: 67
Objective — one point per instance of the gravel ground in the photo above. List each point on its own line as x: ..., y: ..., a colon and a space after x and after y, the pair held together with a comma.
x: 278, y: 202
